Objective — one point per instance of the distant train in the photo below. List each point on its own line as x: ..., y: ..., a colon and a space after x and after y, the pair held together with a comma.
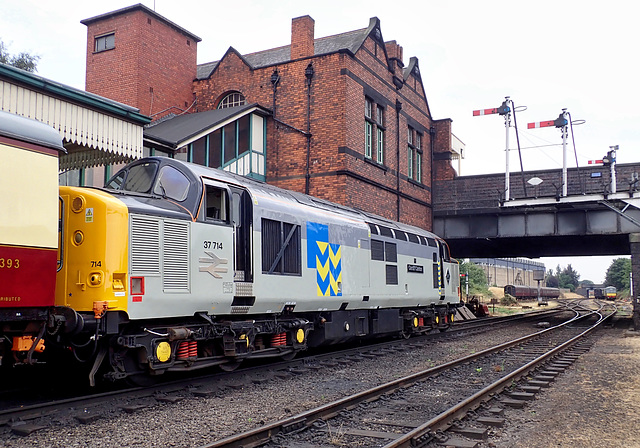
x: 175, y: 266
x: 607, y: 293
x: 531, y: 292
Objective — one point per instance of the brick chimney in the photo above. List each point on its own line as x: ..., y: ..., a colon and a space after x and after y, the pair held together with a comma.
x: 394, y: 51
x: 302, y: 37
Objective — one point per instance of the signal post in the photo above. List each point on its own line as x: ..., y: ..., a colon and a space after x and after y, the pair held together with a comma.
x: 634, y: 245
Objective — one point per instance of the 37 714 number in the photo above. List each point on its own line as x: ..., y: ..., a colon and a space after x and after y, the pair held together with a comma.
x: 212, y: 245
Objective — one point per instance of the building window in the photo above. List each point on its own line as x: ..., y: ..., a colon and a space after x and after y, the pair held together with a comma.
x: 232, y: 100
x: 380, y: 135
x: 414, y: 154
x: 368, y: 128
x: 106, y: 42
x: 372, y: 122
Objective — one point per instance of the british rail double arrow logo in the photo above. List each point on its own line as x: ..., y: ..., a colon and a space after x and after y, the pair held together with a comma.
x: 213, y: 262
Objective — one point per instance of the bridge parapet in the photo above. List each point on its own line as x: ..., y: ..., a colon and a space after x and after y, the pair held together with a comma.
x: 486, y: 191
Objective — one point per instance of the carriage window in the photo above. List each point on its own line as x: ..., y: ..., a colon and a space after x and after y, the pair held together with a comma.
x: 216, y: 204
x: 172, y: 184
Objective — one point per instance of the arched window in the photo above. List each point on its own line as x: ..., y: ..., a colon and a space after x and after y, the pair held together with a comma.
x: 231, y: 100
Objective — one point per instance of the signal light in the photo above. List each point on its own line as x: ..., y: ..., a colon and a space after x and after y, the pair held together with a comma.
x: 504, y: 109
x: 560, y: 122
x: 609, y: 158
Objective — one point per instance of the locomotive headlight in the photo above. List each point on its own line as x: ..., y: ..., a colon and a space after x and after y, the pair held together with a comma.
x: 77, y: 205
x: 78, y: 237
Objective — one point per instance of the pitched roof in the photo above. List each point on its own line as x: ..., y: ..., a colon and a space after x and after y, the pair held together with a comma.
x: 177, y: 131
x: 350, y: 42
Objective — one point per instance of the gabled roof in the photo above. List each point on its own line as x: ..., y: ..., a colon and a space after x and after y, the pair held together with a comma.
x: 180, y: 130
x: 349, y: 42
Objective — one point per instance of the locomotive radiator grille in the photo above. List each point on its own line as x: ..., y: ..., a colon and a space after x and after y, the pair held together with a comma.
x: 175, y: 256
x: 145, y: 245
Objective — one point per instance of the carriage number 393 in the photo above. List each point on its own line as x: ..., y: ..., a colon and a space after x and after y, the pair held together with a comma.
x: 9, y: 263
x: 213, y: 245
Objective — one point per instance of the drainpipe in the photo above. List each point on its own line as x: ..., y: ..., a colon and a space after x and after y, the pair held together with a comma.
x: 308, y: 73
x: 275, y: 79
x: 432, y: 145
x: 398, y: 109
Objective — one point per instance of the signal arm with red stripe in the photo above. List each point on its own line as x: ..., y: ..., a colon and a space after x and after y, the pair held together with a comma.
x: 480, y: 112
x: 541, y: 124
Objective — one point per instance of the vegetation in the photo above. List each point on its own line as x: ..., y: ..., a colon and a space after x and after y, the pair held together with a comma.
x: 508, y: 300
x: 618, y: 275
x: 476, y: 277
x: 23, y: 60
x: 567, y: 278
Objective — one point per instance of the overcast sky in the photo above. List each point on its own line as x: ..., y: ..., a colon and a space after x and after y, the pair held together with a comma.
x: 546, y: 55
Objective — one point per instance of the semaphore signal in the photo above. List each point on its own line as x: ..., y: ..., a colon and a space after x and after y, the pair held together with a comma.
x: 505, y: 110
x: 562, y: 123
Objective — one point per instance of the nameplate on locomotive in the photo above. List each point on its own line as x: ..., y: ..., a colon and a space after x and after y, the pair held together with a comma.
x: 415, y: 268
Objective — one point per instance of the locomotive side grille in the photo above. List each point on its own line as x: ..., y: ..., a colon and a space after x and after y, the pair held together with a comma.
x: 145, y: 245
x: 175, y: 257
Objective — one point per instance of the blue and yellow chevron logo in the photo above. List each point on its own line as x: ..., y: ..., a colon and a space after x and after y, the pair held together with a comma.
x: 325, y: 258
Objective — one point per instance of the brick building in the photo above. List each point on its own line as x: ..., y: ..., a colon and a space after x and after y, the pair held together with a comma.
x: 341, y: 117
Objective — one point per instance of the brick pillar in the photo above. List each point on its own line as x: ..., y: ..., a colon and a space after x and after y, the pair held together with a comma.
x: 634, y: 243
x: 302, y: 35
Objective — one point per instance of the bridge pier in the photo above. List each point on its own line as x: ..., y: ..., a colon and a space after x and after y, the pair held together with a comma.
x: 634, y: 245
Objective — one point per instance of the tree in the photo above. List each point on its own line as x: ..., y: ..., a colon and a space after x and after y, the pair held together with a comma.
x: 477, y: 278
x: 24, y: 60
x: 567, y: 278
x: 552, y: 280
x: 618, y: 274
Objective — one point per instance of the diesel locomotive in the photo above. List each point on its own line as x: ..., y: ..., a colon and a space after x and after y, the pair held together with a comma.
x: 174, y: 266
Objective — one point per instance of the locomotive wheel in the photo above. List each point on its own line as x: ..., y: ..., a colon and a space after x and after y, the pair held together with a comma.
x: 288, y: 356
x: 230, y: 366
x: 142, y: 380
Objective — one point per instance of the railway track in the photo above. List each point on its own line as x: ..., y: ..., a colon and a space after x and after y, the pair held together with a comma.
x: 25, y: 418
x: 425, y: 408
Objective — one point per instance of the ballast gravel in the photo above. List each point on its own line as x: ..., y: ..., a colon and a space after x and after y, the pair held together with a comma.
x: 195, y: 421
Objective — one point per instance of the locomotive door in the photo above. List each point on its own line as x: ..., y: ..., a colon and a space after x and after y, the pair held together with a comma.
x: 242, y: 216
x: 441, y: 261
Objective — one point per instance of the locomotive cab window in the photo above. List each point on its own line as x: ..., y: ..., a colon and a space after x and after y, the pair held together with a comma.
x: 137, y: 178
x: 216, y: 204
x: 172, y: 184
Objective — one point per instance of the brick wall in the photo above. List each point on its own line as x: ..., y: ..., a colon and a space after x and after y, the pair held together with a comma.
x: 338, y: 170
x: 154, y: 64
x: 151, y: 67
x: 485, y: 191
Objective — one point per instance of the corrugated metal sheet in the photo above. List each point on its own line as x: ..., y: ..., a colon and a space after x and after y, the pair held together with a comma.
x: 105, y: 139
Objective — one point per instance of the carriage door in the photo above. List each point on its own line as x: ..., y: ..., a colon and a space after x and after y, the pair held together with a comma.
x: 242, y: 216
